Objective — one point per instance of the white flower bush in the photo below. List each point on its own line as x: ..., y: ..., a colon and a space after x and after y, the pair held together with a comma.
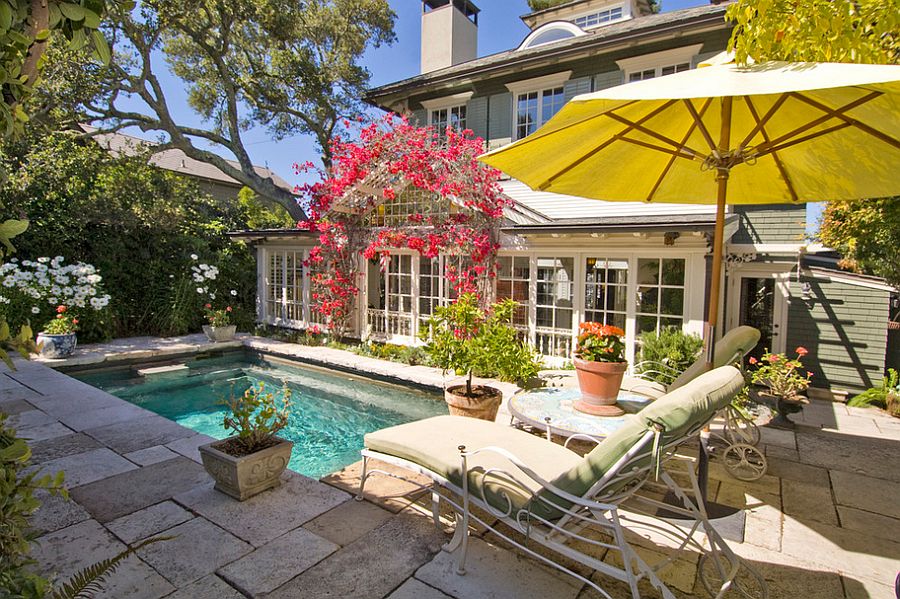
x: 46, y: 281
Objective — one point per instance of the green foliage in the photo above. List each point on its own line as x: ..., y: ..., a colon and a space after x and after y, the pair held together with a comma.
x: 23, y: 341
x: 598, y: 342
x: 462, y: 337
x: 260, y: 216
x: 256, y: 416
x: 666, y: 355
x: 784, y: 377
x: 136, y: 223
x: 862, y: 31
x: 405, y: 354
x: 18, y: 484
x: 63, y: 324
x: 867, y: 235
x: 879, y: 396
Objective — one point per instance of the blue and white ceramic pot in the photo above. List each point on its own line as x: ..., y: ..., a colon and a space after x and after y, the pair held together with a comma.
x: 57, y: 346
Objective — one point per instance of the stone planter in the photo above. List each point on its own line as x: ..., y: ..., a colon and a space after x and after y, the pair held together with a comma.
x: 219, y: 333
x: 57, y: 346
x: 484, y: 406
x: 242, y: 477
x: 600, y: 383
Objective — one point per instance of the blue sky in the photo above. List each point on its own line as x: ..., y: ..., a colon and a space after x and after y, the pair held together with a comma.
x: 499, y: 29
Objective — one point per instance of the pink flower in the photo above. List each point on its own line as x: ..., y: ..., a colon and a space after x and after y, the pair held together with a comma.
x: 752, y: 360
x: 801, y: 351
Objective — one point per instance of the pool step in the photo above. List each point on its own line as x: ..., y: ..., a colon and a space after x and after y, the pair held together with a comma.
x: 167, y: 369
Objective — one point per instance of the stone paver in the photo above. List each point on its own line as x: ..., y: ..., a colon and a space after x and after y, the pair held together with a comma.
x: 28, y: 419
x: 866, y: 493
x: 386, y: 491
x: 276, y: 562
x: 87, y: 467
x: 56, y: 512
x: 139, y: 433
x: 348, y: 521
x: 208, y: 587
x: 188, y: 446
x: 150, y: 455
x: 81, y: 420
x: 268, y: 515
x: 797, y: 471
x: 14, y: 406
x: 199, y: 548
x: 808, y: 501
x: 876, y: 458
x: 116, y: 496
x: 47, y: 431
x: 148, y: 521
x: 416, y: 589
x: 372, y: 566
x: 58, y: 447
x: 66, y: 551
x: 876, y: 525
x: 522, y: 578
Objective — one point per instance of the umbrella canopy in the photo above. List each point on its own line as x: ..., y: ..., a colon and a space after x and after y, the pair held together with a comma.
x: 764, y: 134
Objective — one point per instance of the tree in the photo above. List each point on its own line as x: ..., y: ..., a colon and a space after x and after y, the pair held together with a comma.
x: 867, y: 234
x: 863, y: 31
x: 291, y: 67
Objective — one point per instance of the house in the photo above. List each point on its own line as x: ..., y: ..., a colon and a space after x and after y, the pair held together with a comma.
x: 567, y: 259
x: 210, y: 179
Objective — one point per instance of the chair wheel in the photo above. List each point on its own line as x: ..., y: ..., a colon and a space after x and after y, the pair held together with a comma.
x: 744, y: 462
x: 713, y: 569
x: 740, y: 429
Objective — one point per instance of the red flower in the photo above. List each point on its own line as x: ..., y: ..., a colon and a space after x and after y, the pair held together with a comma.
x: 208, y: 306
x: 60, y: 309
x: 228, y: 309
x: 801, y: 351
x: 752, y: 360
x: 773, y: 358
x: 74, y: 321
x: 809, y: 374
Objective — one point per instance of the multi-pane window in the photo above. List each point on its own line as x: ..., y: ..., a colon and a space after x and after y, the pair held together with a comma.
x: 658, y: 71
x: 284, y: 285
x: 533, y: 109
x: 411, y: 202
x: 605, y: 291
x: 454, y: 116
x: 660, y: 293
x: 513, y: 282
x: 599, y: 18
x: 553, y: 306
x: 431, y: 285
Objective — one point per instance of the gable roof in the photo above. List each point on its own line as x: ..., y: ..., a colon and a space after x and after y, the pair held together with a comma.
x: 596, y: 39
x: 175, y: 160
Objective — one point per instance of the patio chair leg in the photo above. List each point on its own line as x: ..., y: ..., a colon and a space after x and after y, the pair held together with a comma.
x: 436, y: 507
x: 362, y: 479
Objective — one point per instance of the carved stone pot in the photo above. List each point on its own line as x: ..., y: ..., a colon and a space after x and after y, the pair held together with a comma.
x: 243, y: 477
x: 215, y: 334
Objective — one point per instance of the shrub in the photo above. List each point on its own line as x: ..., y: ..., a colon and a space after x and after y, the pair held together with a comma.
x: 256, y: 417
x: 888, y: 392
x: 667, y: 354
x: 466, y: 339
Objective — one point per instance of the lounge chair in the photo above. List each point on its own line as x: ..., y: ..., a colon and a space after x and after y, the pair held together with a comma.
x: 552, y: 496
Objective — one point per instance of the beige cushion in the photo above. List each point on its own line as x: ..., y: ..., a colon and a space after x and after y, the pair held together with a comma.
x: 733, y: 346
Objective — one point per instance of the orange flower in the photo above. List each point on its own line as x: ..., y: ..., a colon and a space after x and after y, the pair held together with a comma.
x: 752, y: 360
x: 801, y: 351
x: 60, y: 309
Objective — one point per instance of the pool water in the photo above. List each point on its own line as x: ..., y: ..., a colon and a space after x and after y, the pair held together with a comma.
x: 330, y: 413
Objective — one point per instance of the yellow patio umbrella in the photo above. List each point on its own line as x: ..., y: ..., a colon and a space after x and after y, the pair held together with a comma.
x: 723, y: 134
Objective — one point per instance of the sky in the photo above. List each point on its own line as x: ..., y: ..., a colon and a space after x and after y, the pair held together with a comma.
x: 499, y: 29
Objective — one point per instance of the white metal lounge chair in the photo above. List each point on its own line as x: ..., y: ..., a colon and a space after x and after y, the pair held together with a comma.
x: 558, y: 499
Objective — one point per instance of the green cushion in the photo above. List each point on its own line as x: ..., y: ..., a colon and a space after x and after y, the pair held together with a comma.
x: 733, y: 346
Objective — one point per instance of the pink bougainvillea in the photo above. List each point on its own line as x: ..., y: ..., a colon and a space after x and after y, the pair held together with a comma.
x: 385, y: 160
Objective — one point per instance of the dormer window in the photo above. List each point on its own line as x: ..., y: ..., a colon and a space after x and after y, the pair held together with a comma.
x: 551, y: 32
x: 600, y: 17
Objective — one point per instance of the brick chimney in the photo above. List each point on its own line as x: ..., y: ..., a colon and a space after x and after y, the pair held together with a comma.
x: 449, y: 33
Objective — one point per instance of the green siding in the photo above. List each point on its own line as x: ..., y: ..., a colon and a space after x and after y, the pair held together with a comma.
x: 500, y: 116
x: 701, y: 57
x: 609, y: 79
x: 844, y: 327
x: 477, y: 116
x: 771, y: 224
x: 574, y: 87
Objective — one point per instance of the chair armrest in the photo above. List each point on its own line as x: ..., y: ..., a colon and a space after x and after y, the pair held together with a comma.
x: 643, y: 387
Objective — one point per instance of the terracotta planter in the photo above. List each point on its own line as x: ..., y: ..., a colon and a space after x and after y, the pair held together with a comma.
x: 600, y: 383
x: 484, y: 406
x: 219, y: 333
x: 244, y: 476
x: 57, y: 346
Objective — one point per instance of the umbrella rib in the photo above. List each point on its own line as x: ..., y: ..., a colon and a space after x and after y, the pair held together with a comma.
x: 760, y: 126
x: 666, y: 140
x: 831, y: 113
x: 544, y: 185
x: 676, y: 152
x: 762, y: 123
x: 699, y: 122
x: 669, y: 164
x: 862, y: 126
x: 800, y: 140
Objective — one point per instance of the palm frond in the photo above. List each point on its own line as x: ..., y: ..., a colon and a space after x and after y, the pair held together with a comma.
x: 90, y: 580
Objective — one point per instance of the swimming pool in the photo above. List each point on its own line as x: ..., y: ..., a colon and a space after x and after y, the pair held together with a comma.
x: 331, y: 411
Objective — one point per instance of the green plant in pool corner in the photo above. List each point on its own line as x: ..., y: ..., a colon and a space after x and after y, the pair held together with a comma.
x: 256, y: 416
x: 464, y: 338
x: 665, y: 355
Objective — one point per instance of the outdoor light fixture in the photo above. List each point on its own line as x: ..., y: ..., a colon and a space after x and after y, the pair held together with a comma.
x: 806, y: 292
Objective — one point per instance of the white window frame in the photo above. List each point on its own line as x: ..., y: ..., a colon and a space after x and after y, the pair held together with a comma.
x: 623, y: 14
x: 280, y: 297
x: 657, y: 61
x: 537, y: 85
x: 565, y: 26
x: 446, y: 103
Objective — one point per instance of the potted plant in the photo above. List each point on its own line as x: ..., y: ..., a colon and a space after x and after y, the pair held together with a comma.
x: 600, y: 366
x: 251, y: 460
x: 59, y: 337
x: 464, y: 338
x: 219, y: 327
x: 785, y: 379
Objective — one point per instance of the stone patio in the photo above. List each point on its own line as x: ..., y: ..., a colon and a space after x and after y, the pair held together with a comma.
x: 824, y: 522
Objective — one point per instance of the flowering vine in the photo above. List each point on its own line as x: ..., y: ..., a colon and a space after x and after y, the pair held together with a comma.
x: 389, y: 161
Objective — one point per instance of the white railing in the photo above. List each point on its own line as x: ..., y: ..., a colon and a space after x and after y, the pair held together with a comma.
x: 382, y: 323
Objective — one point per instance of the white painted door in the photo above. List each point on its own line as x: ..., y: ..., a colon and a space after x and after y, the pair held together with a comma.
x: 758, y: 297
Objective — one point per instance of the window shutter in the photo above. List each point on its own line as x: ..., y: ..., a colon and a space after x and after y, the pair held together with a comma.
x: 500, y: 125
x: 610, y: 79
x: 701, y: 57
x: 477, y: 117
x: 418, y: 118
x: 574, y: 87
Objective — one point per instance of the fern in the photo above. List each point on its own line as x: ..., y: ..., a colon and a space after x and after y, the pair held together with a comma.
x: 878, y: 396
x: 85, y: 583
